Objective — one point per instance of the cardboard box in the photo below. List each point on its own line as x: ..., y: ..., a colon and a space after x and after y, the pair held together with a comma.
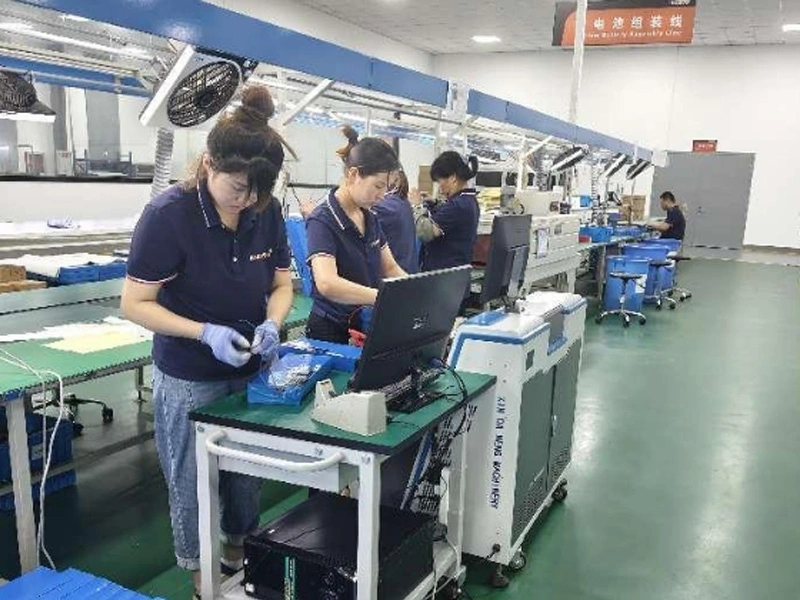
x: 21, y: 286
x: 638, y: 202
x: 11, y: 273
x: 424, y: 181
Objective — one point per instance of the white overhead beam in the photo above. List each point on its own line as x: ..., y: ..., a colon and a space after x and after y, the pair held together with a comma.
x: 322, y: 87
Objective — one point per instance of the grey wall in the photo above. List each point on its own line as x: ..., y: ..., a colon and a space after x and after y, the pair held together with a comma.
x: 102, y: 114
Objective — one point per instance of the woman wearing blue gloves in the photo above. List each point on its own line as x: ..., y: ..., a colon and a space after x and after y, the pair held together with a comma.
x: 208, y: 273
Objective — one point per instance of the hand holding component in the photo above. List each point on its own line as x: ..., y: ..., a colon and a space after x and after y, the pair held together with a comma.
x: 227, y: 344
x: 266, y: 339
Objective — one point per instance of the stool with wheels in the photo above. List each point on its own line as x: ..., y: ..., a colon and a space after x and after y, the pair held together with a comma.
x: 683, y: 293
x: 659, y: 293
x: 623, y: 313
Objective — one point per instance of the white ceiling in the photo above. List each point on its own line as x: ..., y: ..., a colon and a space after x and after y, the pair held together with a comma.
x: 447, y: 26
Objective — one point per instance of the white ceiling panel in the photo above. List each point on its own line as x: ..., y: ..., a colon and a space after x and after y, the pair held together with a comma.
x: 447, y: 26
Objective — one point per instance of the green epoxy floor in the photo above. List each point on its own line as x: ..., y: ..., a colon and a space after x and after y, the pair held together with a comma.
x: 684, y: 484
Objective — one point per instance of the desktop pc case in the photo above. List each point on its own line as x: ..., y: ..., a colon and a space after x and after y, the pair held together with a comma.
x: 310, y: 552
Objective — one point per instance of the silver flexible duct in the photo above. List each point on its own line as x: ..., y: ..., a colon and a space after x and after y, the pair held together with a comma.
x: 163, y: 162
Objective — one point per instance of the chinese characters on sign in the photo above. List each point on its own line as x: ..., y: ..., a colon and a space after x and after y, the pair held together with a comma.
x: 615, y: 22
x: 704, y: 146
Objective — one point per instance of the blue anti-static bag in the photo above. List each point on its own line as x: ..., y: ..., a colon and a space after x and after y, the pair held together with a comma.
x: 288, y: 379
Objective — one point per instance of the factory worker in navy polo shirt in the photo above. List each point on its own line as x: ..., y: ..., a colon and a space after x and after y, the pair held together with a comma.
x: 347, y: 249
x: 396, y: 218
x: 208, y: 273
x: 674, y: 226
x: 449, y: 229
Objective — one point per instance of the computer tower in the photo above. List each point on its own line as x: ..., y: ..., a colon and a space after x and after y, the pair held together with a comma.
x: 310, y: 552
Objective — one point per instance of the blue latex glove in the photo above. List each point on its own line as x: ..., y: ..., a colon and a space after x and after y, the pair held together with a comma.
x: 266, y: 339
x: 366, y: 318
x: 227, y: 344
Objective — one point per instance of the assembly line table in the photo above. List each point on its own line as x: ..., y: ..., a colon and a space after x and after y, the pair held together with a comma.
x: 284, y: 444
x: 34, y: 310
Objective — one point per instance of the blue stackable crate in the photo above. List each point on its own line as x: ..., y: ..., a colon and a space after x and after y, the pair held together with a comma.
x: 651, y: 252
x: 70, y: 275
x: 46, y: 584
x: 62, y: 452
x: 114, y: 270
x: 627, y: 231
x: 597, y: 234
x: 634, y: 296
x: 298, y: 242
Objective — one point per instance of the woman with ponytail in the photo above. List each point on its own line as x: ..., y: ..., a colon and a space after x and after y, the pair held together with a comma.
x: 208, y: 274
x: 449, y: 229
x: 347, y: 249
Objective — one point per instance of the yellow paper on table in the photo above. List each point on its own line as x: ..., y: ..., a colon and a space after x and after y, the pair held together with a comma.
x: 86, y: 344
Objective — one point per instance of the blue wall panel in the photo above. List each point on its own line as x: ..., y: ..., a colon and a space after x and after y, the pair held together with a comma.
x: 488, y: 107
x: 405, y: 83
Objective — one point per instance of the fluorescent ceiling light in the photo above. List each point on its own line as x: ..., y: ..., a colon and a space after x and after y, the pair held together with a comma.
x: 789, y: 27
x: 15, y: 26
x: 351, y: 117
x: 42, y: 35
x: 485, y: 39
x: 315, y: 110
x: 76, y: 18
x: 38, y: 118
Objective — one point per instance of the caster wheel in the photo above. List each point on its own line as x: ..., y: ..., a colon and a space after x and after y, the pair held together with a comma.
x: 499, y: 581
x: 598, y: 320
x: 683, y: 298
x: 672, y: 306
x: 670, y: 293
x: 642, y: 321
x: 451, y: 591
x: 659, y: 306
x: 108, y: 415
x: 560, y: 493
x: 626, y: 323
x: 518, y: 562
x: 77, y: 429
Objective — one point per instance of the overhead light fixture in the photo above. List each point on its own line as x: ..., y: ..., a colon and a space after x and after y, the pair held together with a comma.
x: 15, y: 26
x: 316, y: 110
x: 485, y: 39
x: 614, y: 165
x: 637, y: 168
x: 76, y: 18
x: 568, y: 159
x: 791, y: 27
x: 131, y: 51
x: 31, y: 117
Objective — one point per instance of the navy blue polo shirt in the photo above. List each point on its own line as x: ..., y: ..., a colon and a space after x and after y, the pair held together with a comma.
x: 677, y: 223
x: 397, y: 221
x: 458, y: 219
x: 358, y: 257
x: 209, y: 273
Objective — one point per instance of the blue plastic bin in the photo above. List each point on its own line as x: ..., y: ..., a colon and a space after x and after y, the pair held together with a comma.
x: 113, y: 270
x: 597, y: 234
x: 651, y: 252
x: 673, y: 245
x: 298, y: 243
x: 634, y: 296
x: 62, y: 452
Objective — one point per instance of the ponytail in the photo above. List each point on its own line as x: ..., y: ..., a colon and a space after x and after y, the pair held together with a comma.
x: 452, y: 163
x: 370, y: 155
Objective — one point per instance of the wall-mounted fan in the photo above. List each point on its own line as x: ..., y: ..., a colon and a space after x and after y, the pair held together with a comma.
x: 18, y: 100
x: 198, y: 86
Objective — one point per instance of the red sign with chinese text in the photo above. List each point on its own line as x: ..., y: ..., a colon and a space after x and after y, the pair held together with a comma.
x: 625, y: 22
x: 704, y: 146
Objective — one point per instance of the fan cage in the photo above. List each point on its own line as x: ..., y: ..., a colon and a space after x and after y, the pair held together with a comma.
x: 203, y: 93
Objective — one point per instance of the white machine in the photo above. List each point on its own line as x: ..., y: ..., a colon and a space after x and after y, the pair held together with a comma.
x: 554, y: 248
x: 363, y: 413
x: 520, y: 445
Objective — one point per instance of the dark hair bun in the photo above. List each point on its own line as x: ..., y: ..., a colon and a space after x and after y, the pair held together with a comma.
x: 257, y: 107
x: 352, y: 140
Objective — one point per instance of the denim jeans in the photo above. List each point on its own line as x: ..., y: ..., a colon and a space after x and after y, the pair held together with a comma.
x: 173, y: 400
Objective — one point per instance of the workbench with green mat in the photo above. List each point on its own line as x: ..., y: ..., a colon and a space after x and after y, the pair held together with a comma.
x: 283, y: 443
x: 32, y: 311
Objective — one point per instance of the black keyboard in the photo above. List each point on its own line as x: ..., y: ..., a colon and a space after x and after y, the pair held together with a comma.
x: 402, y: 397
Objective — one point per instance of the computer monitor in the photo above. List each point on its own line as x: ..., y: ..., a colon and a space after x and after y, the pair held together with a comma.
x: 509, y: 247
x: 411, y: 325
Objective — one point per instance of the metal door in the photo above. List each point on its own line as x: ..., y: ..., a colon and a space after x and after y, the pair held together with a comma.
x: 714, y: 191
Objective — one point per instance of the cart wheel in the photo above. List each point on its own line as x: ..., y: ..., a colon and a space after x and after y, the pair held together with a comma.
x: 683, y: 298
x: 452, y: 591
x: 499, y: 581
x: 659, y: 306
x: 518, y: 562
x: 671, y: 293
x: 643, y: 321
x: 108, y: 415
x: 77, y: 429
x: 598, y: 319
x: 560, y: 493
x: 626, y: 322
x: 672, y: 306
